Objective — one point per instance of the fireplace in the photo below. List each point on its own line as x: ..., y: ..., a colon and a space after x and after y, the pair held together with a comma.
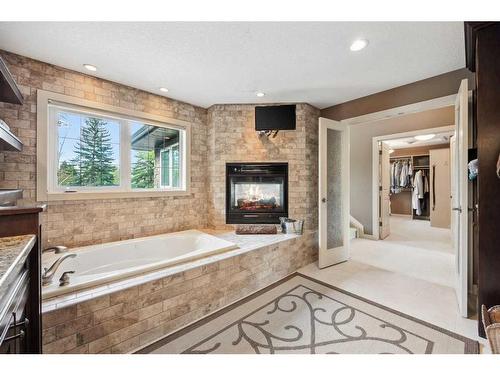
x: 256, y: 193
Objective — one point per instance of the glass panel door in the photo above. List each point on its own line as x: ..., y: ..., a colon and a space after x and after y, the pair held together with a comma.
x: 334, y: 215
x: 333, y: 192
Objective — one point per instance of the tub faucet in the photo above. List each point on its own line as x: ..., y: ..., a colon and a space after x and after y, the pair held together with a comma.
x: 48, y: 273
x: 56, y: 249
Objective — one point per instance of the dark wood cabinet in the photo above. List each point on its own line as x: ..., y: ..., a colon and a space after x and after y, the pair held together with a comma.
x: 483, y: 58
x: 20, y: 303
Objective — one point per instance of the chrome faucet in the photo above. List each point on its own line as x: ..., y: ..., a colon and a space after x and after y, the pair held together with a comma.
x: 48, y: 273
x: 56, y: 249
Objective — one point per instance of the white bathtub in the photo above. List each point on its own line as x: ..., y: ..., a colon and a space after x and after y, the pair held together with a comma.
x: 101, y: 264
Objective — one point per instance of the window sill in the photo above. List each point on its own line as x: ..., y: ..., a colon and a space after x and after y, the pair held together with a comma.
x: 113, y: 195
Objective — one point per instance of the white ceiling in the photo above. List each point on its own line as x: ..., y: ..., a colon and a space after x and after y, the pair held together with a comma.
x: 213, y: 63
x: 407, y: 142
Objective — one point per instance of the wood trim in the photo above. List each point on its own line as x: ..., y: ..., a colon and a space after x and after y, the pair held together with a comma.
x: 15, y: 210
x: 488, y: 147
x: 471, y: 29
x: 420, y: 91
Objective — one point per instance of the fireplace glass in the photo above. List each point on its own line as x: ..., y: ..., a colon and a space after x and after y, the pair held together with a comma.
x: 256, y: 193
x: 263, y: 195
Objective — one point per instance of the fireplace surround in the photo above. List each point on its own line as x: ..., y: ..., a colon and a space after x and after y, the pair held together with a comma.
x: 256, y: 193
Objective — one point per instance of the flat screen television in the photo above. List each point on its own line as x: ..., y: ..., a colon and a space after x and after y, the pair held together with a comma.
x: 275, y: 117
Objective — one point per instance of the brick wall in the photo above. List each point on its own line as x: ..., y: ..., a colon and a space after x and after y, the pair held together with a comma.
x: 221, y: 134
x: 73, y: 223
x: 232, y: 138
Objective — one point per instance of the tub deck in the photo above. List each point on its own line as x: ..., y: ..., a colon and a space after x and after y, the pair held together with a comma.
x: 245, y: 244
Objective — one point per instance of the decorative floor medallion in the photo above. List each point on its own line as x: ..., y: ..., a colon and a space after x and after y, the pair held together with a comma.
x: 301, y: 315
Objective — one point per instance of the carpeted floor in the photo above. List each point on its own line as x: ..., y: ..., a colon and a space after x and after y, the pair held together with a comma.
x: 302, y: 315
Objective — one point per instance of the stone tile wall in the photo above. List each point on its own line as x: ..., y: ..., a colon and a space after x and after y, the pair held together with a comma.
x: 123, y: 321
x: 126, y: 320
x: 224, y: 133
x: 232, y: 138
x: 74, y: 223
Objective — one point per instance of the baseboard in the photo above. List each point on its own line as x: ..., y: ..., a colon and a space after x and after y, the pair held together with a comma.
x: 369, y: 237
x: 402, y: 215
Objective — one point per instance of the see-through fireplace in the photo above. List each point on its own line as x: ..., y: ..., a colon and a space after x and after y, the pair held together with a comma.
x: 256, y: 193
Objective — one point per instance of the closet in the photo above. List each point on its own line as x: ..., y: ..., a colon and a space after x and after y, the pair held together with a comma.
x: 420, y: 186
x: 410, y: 186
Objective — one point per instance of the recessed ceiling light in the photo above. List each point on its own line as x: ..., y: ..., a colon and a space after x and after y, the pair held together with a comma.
x: 90, y: 67
x: 391, y: 151
x: 358, y: 45
x: 163, y: 89
x: 424, y: 137
x: 260, y: 94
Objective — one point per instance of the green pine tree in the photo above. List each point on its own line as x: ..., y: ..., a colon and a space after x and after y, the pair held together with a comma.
x: 66, y: 175
x: 143, y: 170
x: 94, y: 155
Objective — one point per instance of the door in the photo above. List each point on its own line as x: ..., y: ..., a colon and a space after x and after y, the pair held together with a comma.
x: 453, y: 191
x: 440, y: 213
x: 459, y: 197
x: 384, y: 191
x: 333, y: 192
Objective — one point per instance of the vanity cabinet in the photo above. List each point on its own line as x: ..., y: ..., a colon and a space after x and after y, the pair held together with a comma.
x: 20, y: 287
x: 16, y: 325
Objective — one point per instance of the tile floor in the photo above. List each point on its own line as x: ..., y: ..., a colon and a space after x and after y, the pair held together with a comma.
x: 410, y: 271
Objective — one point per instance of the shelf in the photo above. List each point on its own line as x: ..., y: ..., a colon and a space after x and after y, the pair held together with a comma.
x: 9, y: 92
x: 9, y: 142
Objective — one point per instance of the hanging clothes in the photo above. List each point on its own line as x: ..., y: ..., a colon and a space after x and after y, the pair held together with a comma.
x: 400, y: 175
x: 418, y: 192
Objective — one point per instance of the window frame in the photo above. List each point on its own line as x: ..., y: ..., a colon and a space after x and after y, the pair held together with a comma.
x: 48, y: 103
x: 170, y: 164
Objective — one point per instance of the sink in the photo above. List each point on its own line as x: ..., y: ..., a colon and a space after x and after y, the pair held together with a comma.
x: 9, y: 197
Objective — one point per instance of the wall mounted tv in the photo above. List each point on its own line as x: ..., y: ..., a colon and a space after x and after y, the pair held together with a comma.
x: 275, y: 117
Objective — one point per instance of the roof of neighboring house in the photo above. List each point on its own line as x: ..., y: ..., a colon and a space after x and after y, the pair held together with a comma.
x: 149, y: 137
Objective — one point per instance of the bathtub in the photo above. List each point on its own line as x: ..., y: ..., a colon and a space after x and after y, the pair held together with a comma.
x: 104, y: 263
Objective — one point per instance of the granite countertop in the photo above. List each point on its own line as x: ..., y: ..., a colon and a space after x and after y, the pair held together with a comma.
x: 13, y: 253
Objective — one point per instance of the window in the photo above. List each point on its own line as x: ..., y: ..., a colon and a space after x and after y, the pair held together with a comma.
x: 88, y: 150
x: 170, y: 166
x: 97, y: 152
x: 149, y: 145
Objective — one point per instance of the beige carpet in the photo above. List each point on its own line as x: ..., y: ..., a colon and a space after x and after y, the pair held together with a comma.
x: 301, y: 315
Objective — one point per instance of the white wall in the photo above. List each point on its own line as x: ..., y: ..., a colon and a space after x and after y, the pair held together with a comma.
x: 361, y: 153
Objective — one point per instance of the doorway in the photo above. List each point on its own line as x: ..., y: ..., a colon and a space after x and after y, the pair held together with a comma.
x: 414, y: 205
x: 427, y: 280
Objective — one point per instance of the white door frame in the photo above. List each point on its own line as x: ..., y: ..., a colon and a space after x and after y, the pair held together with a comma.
x: 329, y: 257
x: 460, y: 206
x: 426, y: 105
x: 376, y: 171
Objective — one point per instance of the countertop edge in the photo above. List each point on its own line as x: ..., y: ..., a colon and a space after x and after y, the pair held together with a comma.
x: 21, y: 255
x: 19, y: 210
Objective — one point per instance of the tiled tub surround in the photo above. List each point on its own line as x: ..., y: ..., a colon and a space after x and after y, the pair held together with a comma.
x: 123, y: 316
x: 99, y: 264
x: 86, y: 222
